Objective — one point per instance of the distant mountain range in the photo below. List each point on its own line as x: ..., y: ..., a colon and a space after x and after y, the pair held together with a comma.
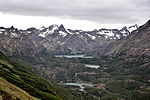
x: 59, y: 40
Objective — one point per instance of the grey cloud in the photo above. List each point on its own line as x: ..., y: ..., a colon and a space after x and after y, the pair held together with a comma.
x: 108, y: 11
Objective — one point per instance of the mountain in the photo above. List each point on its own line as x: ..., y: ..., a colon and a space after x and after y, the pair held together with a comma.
x: 57, y: 39
x: 12, y: 41
x: 137, y: 44
x: 17, y: 45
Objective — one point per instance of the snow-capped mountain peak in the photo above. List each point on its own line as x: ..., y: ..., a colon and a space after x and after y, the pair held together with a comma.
x: 59, y: 38
x: 2, y: 29
x: 46, y: 31
x: 107, y: 32
x: 132, y: 28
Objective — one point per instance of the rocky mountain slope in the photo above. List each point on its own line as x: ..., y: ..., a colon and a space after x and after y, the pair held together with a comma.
x: 57, y: 39
x: 137, y: 44
x: 20, y: 47
x: 13, y: 41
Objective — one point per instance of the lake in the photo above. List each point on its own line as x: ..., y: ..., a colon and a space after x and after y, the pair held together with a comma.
x: 92, y: 66
x: 73, y: 56
x: 81, y: 85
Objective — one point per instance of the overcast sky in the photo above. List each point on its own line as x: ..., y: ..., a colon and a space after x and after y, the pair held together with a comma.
x: 81, y: 14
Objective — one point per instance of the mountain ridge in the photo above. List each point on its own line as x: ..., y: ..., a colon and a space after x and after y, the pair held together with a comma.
x: 59, y: 40
x: 135, y: 44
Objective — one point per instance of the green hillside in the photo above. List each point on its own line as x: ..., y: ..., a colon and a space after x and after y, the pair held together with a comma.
x: 9, y: 91
x: 23, y: 77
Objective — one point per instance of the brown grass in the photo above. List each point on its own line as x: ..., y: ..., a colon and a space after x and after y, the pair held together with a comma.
x: 8, y: 90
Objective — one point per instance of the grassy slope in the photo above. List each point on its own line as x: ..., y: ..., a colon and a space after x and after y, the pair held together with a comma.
x: 23, y: 77
x: 128, y: 79
x: 10, y: 91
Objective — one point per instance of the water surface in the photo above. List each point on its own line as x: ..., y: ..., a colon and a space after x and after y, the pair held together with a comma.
x: 92, y: 66
x: 81, y: 85
x: 74, y: 56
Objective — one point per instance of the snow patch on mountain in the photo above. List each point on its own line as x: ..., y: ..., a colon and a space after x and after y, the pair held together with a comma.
x: 91, y: 36
x: 55, y: 27
x: 41, y: 28
x: 132, y: 28
x: 63, y: 33
x: 70, y: 32
x: 123, y: 31
x: 106, y: 36
x: 2, y: 30
x: 106, y: 32
x: 118, y: 36
x: 77, y: 33
x: 13, y: 34
x: 48, y: 31
x: 44, y: 34
x: 67, y: 31
x: 29, y: 32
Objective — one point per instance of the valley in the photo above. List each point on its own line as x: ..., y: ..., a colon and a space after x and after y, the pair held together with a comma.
x: 104, y: 64
x: 74, y: 49
x: 98, y: 82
